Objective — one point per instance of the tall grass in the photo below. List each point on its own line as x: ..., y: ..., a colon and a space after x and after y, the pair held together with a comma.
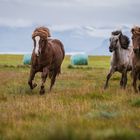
x: 77, y: 107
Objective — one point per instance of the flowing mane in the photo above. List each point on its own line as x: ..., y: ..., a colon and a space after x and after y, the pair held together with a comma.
x: 117, y: 32
x: 124, y: 40
x: 41, y: 31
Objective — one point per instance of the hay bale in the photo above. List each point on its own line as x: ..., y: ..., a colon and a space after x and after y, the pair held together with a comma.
x: 79, y: 59
x: 27, y: 59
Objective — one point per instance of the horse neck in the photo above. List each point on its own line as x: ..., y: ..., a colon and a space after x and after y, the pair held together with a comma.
x: 118, y: 53
x: 44, y: 51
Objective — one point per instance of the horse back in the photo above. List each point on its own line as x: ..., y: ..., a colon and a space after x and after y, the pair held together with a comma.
x: 58, y: 48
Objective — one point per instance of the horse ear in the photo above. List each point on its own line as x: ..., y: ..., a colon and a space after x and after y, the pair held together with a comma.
x: 132, y: 30
x: 119, y: 35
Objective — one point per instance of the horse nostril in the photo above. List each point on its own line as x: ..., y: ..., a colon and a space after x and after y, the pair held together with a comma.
x: 110, y: 49
x: 37, y: 53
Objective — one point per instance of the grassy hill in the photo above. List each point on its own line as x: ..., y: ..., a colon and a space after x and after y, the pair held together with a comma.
x: 77, y: 108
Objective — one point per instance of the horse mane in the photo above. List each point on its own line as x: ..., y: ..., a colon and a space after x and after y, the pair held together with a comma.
x: 135, y: 30
x: 41, y: 31
x: 117, y: 32
x: 124, y: 40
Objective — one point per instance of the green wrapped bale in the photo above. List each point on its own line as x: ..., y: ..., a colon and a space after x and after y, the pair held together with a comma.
x: 79, y: 59
x: 27, y: 59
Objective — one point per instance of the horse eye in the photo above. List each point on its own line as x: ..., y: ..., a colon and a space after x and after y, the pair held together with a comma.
x: 42, y: 40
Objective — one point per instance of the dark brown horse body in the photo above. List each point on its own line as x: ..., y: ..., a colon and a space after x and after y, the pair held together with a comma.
x: 136, y: 56
x: 47, y: 59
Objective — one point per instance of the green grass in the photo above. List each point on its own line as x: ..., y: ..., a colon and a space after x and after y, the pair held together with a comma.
x: 78, y: 108
x: 135, y: 102
x: 11, y: 59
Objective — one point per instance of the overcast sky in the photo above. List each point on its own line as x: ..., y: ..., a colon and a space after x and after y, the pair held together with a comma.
x: 69, y: 13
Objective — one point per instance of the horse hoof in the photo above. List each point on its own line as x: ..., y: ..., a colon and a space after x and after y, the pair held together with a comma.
x: 42, y: 91
x: 34, y: 85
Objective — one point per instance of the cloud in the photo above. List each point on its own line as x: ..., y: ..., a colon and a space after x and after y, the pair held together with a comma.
x: 61, y: 28
x: 69, y: 13
x: 15, y: 22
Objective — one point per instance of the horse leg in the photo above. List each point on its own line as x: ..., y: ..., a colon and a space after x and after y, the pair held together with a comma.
x: 139, y: 79
x: 108, y: 77
x: 121, y: 81
x: 43, y: 77
x: 124, y: 79
x: 135, y: 81
x: 31, y: 78
x: 53, y: 79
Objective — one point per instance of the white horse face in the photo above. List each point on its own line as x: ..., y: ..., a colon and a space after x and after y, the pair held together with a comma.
x: 114, y: 42
x: 37, y: 39
x: 40, y: 45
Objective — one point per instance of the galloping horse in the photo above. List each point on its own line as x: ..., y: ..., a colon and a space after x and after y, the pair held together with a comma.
x: 136, y: 56
x: 121, y: 59
x: 47, y: 57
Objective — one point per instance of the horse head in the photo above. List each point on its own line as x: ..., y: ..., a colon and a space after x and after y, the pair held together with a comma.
x: 117, y: 40
x: 136, y: 39
x: 114, y: 39
x: 40, y: 36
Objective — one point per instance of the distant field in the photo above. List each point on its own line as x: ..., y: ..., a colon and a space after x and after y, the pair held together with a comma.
x: 77, y: 108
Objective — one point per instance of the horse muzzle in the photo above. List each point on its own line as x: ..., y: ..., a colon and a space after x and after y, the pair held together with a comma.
x: 110, y: 49
x: 38, y: 53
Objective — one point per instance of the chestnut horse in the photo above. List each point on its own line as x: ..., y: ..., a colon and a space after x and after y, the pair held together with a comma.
x: 136, y: 56
x: 47, y: 57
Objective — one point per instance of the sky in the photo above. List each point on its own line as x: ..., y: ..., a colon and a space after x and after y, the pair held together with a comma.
x: 82, y: 25
x: 62, y: 14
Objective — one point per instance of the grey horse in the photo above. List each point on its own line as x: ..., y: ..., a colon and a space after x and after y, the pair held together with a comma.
x: 121, y: 59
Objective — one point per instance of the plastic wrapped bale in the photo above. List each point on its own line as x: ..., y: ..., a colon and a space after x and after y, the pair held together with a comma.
x: 79, y: 59
x: 27, y: 59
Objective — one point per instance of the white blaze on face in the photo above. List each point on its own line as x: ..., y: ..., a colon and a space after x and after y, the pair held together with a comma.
x: 37, y: 38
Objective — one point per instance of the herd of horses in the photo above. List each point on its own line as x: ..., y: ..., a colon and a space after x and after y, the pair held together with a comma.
x: 48, y: 55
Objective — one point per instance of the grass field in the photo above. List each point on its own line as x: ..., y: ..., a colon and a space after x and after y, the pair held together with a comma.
x: 77, y: 108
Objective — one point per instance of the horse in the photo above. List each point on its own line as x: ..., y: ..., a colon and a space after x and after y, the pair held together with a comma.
x: 136, y: 56
x: 47, y: 57
x: 121, y: 59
